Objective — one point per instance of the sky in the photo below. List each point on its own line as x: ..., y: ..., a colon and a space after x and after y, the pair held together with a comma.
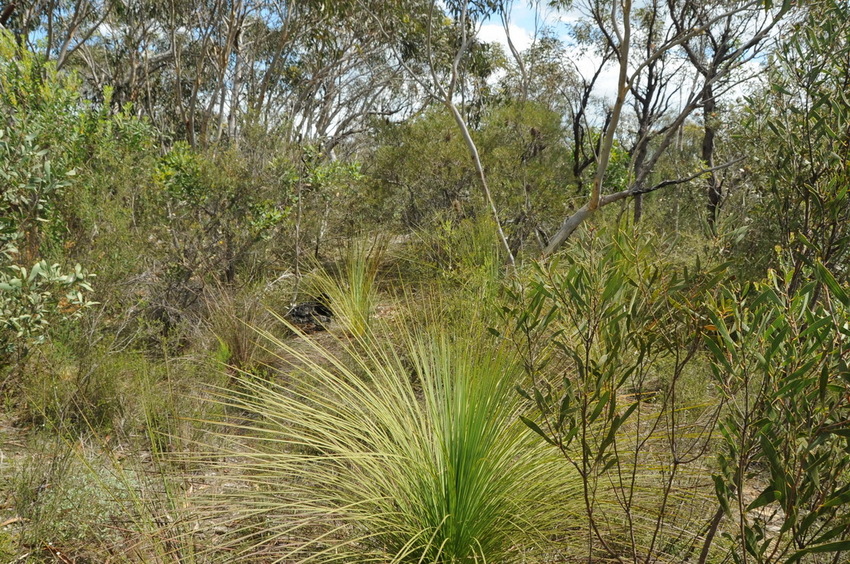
x: 524, y: 20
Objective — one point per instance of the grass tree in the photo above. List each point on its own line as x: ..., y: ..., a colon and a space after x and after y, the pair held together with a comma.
x: 410, y: 452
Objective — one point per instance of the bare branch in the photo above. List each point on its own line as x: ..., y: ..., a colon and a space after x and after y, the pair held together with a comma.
x: 571, y: 223
x: 505, y: 15
x: 610, y: 198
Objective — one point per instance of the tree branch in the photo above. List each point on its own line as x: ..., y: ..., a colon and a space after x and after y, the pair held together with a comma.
x: 572, y: 222
x: 617, y: 196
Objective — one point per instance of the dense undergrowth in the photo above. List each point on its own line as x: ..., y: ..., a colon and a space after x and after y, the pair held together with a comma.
x: 659, y: 392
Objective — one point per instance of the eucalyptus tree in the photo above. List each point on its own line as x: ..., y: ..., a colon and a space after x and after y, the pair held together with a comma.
x: 446, y: 64
x: 642, y: 37
x: 733, y: 37
x: 56, y: 28
x: 645, y: 44
x: 545, y: 74
x: 203, y: 70
x: 343, y: 77
x: 315, y: 69
x: 653, y: 92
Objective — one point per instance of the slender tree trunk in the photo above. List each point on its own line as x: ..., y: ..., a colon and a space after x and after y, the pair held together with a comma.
x: 638, y: 208
x: 640, y: 157
x: 236, y: 87
x: 571, y: 223
x: 714, y: 190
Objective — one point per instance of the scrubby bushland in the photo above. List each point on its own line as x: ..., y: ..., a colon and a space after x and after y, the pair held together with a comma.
x: 681, y: 370
x: 798, y: 173
x: 420, y: 172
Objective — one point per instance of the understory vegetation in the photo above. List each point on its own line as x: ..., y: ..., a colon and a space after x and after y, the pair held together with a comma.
x: 342, y: 282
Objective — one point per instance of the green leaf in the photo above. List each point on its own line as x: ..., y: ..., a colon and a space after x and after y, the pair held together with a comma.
x: 766, y: 497
x: 600, y: 405
x: 838, y: 546
x: 840, y: 498
x: 722, y: 493
x: 815, y: 327
x: 564, y: 410
x: 626, y: 414
x: 829, y: 280
x: 718, y: 353
x: 536, y: 428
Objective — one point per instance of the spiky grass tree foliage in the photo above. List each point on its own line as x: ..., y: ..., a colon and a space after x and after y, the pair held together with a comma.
x: 405, y: 454
x: 351, y: 292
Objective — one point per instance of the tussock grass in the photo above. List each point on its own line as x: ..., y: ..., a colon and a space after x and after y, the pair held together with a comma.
x: 231, y: 318
x: 405, y: 454
x: 351, y: 292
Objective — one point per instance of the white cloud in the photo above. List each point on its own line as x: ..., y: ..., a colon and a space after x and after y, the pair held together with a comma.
x: 586, y: 65
x: 495, y: 33
x: 522, y: 36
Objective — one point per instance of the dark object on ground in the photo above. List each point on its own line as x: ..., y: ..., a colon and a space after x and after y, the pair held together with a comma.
x: 312, y: 315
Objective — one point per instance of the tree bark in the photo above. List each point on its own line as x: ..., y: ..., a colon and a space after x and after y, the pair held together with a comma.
x: 587, y: 210
x: 714, y: 189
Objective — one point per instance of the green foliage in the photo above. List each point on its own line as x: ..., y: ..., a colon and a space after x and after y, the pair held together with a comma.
x: 107, y: 216
x: 528, y: 168
x: 801, y: 115
x: 780, y: 359
x: 606, y: 336
x: 70, y: 393
x: 231, y: 319
x: 422, y: 172
x: 39, y: 100
x: 62, y: 507
x: 210, y: 220
x: 615, y: 341
x: 33, y: 292
x: 420, y: 168
x: 327, y: 198
x: 464, y: 255
x: 665, y: 414
x: 31, y: 300
x: 217, y: 218
x: 351, y: 293
x: 408, y: 454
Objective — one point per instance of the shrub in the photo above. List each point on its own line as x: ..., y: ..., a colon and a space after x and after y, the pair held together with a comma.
x: 34, y: 291
x: 608, y: 335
